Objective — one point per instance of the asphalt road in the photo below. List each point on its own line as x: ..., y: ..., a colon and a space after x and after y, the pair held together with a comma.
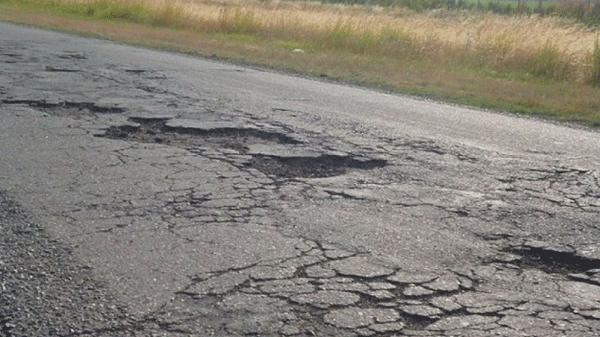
x: 146, y: 193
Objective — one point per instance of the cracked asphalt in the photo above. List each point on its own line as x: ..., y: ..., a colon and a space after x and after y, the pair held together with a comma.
x: 145, y: 193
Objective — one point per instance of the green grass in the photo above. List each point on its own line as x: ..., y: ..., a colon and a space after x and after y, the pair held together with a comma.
x: 594, y: 77
x: 135, y: 12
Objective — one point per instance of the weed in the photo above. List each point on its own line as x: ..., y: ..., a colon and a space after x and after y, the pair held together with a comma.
x: 169, y: 15
x: 594, y: 77
x: 547, y: 63
x: 238, y: 21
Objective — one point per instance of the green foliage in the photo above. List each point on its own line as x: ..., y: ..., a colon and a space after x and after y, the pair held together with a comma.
x: 339, y: 37
x: 547, y: 63
x: 103, y: 9
x: 127, y: 11
x: 594, y: 77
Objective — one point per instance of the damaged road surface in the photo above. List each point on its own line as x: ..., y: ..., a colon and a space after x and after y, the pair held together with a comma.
x: 153, y: 194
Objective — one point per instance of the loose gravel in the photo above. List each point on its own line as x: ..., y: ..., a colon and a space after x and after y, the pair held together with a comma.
x: 45, y: 291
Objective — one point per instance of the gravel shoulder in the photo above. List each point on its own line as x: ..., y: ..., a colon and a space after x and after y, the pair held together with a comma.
x: 45, y: 290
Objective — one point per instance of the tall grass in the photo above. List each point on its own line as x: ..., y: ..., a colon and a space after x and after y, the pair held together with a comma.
x: 491, y: 42
x: 594, y: 77
x: 587, y: 12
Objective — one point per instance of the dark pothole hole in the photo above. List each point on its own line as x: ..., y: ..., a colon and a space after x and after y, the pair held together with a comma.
x: 67, y: 108
x: 311, y: 167
x: 157, y: 131
x: 553, y: 260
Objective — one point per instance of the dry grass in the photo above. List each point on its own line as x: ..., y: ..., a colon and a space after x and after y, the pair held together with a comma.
x: 440, y: 35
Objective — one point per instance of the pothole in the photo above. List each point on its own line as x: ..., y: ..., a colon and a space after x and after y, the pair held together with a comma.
x: 551, y: 259
x: 156, y: 130
x: 67, y: 109
x: 225, y: 135
x: 312, y: 167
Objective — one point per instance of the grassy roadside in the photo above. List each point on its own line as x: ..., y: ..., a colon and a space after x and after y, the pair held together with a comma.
x: 543, y: 82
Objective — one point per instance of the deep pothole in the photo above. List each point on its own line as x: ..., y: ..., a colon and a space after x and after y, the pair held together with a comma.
x: 311, y: 167
x: 555, y: 260
x: 218, y: 135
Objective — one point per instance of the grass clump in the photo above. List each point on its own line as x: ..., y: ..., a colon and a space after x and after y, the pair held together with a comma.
x: 99, y: 10
x: 594, y: 77
x: 168, y: 15
x: 547, y: 63
x: 238, y: 21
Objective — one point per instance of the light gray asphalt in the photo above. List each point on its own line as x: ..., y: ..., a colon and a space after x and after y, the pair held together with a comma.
x: 205, y: 198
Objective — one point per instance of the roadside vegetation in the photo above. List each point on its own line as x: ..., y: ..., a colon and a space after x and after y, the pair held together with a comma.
x: 526, y: 63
